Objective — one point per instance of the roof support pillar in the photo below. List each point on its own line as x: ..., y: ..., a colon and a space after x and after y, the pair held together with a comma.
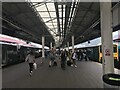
x: 43, y: 42
x: 0, y: 48
x: 43, y: 51
x: 68, y: 45
x: 72, y: 43
x: 106, y: 36
x: 51, y: 45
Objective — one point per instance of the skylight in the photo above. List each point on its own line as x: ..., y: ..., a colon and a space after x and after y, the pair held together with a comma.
x: 48, y: 14
x: 56, y: 15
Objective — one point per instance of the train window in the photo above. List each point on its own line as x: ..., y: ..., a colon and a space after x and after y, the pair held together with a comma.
x: 100, y: 49
x: 115, y: 49
x: 11, y: 52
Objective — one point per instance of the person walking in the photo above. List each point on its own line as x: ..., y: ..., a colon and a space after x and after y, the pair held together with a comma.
x: 85, y: 54
x: 31, y: 60
x: 51, y: 57
x: 81, y: 55
x: 78, y: 54
x: 63, y: 59
x: 74, y: 58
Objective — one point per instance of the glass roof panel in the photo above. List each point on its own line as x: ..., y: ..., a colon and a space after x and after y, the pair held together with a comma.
x: 42, y: 7
x: 55, y: 24
x: 53, y: 14
x: 46, y: 19
x: 60, y: 10
x: 55, y: 20
x: 51, y: 6
x: 37, y: 0
x: 48, y: 14
x: 60, y: 21
x: 60, y: 14
x: 59, y: 6
x: 44, y: 14
x: 34, y: 3
x: 49, y: 24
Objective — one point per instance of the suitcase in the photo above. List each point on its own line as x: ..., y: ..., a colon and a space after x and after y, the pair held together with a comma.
x: 69, y: 63
x: 55, y: 63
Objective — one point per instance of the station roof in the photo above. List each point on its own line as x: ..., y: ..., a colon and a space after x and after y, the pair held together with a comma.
x: 21, y: 20
x: 86, y: 18
x: 86, y: 23
x: 64, y: 19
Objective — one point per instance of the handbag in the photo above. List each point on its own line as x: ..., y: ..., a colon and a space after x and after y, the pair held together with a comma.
x: 67, y: 58
x: 35, y: 66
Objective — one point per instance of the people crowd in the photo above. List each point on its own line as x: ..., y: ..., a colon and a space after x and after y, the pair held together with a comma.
x: 66, y: 58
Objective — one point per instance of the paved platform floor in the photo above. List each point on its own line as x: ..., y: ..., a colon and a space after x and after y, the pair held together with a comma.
x: 88, y: 74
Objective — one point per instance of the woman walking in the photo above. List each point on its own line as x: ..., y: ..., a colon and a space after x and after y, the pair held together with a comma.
x: 31, y: 60
x: 51, y: 57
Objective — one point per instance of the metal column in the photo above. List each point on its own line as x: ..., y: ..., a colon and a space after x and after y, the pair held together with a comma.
x: 51, y: 45
x: 106, y: 36
x: 43, y: 51
x: 68, y: 45
x: 0, y: 48
x: 72, y: 43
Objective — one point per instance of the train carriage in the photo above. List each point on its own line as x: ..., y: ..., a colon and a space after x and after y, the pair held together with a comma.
x: 94, y: 53
x: 13, y: 54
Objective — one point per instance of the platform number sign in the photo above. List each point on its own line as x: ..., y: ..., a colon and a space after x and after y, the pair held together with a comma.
x: 107, y: 52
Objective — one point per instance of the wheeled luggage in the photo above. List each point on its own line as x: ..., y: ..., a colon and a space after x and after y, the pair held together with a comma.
x: 55, y: 63
x: 69, y: 63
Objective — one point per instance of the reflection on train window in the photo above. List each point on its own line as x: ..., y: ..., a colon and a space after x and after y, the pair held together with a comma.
x: 115, y: 48
x: 90, y: 50
x: 11, y: 52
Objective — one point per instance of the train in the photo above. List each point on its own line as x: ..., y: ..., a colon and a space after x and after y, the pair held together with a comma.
x: 13, y: 53
x: 94, y: 53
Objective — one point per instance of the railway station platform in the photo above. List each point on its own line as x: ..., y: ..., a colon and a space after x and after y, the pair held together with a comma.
x: 42, y: 25
x: 88, y: 74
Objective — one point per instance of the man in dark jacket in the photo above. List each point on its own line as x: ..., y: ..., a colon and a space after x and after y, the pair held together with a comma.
x: 63, y: 59
x: 81, y: 55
